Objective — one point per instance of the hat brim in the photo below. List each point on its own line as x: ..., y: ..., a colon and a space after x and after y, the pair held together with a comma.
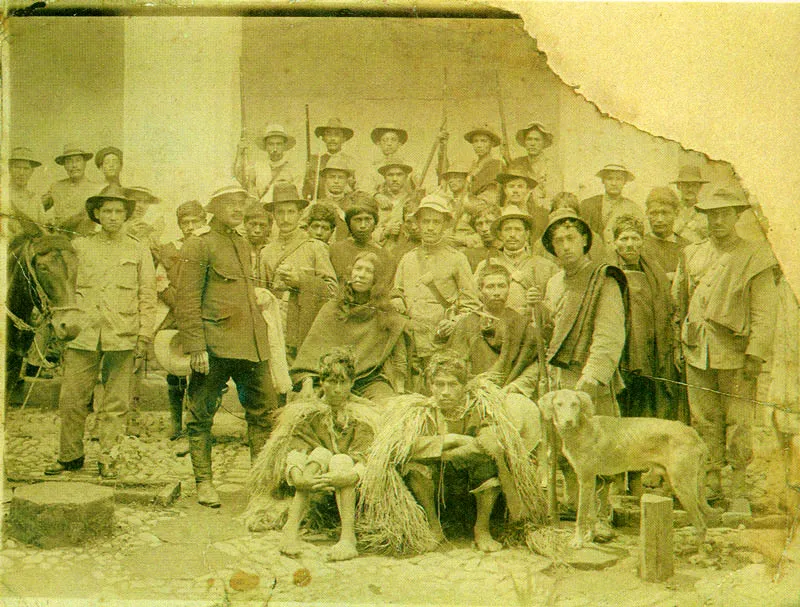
x: 547, y: 242
x: 169, y: 354
x: 290, y: 141
x: 506, y: 177
x: 522, y: 133
x: 86, y: 156
x: 526, y: 219
x: 95, y: 202
x: 714, y: 207
x: 418, y: 210
x: 628, y: 175
x: 34, y: 163
x: 348, y: 132
x: 379, y: 132
x: 493, y: 136
x: 407, y: 169
x: 269, y: 207
x: 679, y: 181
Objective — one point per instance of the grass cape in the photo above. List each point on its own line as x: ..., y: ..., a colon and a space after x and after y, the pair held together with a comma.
x: 391, y: 520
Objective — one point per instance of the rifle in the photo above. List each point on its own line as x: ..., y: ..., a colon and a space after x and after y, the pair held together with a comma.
x: 308, y: 136
x: 241, y: 162
x: 550, y: 431
x: 436, y: 141
x: 503, y: 129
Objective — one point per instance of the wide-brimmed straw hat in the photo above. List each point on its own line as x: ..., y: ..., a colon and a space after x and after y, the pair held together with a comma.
x: 102, y: 153
x: 73, y: 149
x: 721, y: 199
x: 511, y: 174
x: 434, y: 202
x: 111, y: 192
x: 334, y: 123
x: 689, y: 173
x: 285, y: 191
x: 276, y: 130
x: 388, y: 127
x: 483, y: 130
x: 558, y: 217
x: 512, y: 212
x: 26, y: 154
x: 169, y: 353
x: 616, y: 168
x: 534, y: 126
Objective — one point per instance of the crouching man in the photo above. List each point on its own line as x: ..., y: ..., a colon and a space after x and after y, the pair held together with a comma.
x: 457, y: 442
x: 319, y: 447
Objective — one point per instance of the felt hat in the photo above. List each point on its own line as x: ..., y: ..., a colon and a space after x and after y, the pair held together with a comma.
x: 285, y: 191
x: 511, y: 174
x: 483, y: 130
x: 337, y: 162
x: 457, y: 168
x: 169, y: 353
x: 512, y: 212
x: 26, y: 154
x: 131, y: 192
x: 102, y: 153
x: 229, y: 186
x: 435, y: 202
x: 395, y: 163
x: 192, y: 208
x: 721, y: 199
x: 111, y: 192
x: 534, y: 126
x: 615, y: 168
x: 276, y: 130
x: 73, y: 149
x: 559, y: 216
x: 689, y: 173
x: 388, y: 127
x: 334, y: 123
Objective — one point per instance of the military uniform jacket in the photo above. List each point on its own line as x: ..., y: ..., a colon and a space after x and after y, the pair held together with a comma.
x: 115, y: 291
x: 216, y: 306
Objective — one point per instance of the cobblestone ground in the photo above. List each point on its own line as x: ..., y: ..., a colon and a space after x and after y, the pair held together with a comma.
x: 206, y: 557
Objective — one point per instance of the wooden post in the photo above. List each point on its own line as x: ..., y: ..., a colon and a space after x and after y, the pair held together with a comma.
x: 655, y: 564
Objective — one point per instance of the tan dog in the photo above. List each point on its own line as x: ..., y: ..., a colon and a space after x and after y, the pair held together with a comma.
x: 602, y: 445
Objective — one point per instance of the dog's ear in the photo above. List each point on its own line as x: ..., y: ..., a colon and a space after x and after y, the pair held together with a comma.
x: 546, y: 405
x: 587, y: 406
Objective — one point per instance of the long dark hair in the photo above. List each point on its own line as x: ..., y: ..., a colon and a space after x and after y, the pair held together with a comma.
x: 378, y: 301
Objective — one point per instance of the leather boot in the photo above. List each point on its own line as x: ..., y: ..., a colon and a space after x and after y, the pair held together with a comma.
x: 175, y: 394
x: 256, y: 437
x: 200, y: 451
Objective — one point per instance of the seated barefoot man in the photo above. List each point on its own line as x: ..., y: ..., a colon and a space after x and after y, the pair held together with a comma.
x: 455, y: 442
x: 319, y: 446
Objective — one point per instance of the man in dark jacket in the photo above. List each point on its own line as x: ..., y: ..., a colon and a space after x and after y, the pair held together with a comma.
x: 223, y: 331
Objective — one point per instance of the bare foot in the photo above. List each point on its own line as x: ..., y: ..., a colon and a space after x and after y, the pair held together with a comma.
x: 291, y: 547
x: 486, y: 543
x: 343, y: 550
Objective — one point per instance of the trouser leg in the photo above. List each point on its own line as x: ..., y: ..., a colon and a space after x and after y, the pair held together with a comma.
x: 707, y: 413
x: 176, y: 387
x: 258, y: 398
x: 204, y: 392
x: 737, y: 408
x: 111, y: 415
x: 80, y: 377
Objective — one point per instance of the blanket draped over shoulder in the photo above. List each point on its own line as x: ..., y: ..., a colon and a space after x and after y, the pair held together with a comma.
x: 391, y: 521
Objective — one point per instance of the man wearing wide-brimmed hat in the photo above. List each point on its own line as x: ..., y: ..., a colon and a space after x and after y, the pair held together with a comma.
x: 25, y: 207
x: 517, y: 189
x: 600, y: 211
x: 278, y: 165
x: 585, y: 303
x: 116, y: 295
x: 223, y: 330
x: 485, y: 167
x: 537, y: 163
x: 334, y: 134
x: 108, y: 160
x: 394, y: 200
x: 690, y: 223
x: 434, y: 281
x: 389, y: 139
x: 336, y: 180
x: 297, y: 267
x: 527, y: 271
x: 726, y: 304
x: 64, y: 201
x: 464, y: 205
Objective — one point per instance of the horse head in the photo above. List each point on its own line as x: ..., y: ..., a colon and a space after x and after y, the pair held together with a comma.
x: 55, y: 265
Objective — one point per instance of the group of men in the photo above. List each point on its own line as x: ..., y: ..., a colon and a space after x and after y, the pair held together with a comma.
x: 497, y: 264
